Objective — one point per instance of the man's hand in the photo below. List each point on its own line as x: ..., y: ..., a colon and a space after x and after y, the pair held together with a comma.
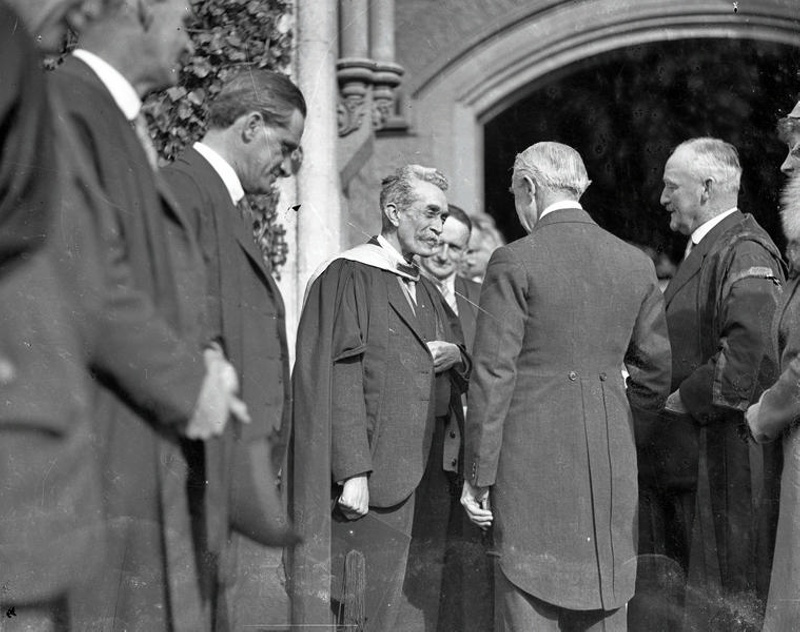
x: 751, y: 416
x: 475, y: 501
x: 675, y: 404
x: 354, y: 499
x: 445, y: 355
x: 217, y: 399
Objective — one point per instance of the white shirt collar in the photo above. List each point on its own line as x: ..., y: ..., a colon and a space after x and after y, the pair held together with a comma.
x: 703, y: 230
x: 224, y: 170
x: 557, y: 206
x: 120, y: 88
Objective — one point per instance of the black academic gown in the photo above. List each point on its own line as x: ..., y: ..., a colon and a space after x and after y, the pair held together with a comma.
x: 367, y: 408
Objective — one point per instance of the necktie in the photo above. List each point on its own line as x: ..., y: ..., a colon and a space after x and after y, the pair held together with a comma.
x: 139, y: 125
x: 688, y: 250
x: 449, y: 296
x: 257, y: 228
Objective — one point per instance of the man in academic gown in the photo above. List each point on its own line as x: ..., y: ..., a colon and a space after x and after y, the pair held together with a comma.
x: 707, y: 499
x: 372, y: 338
x: 255, y: 126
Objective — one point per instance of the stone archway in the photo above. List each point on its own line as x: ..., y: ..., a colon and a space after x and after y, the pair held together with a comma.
x: 502, y: 61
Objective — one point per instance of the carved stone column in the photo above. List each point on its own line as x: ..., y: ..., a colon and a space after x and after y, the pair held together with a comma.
x: 387, y: 71
x: 354, y: 69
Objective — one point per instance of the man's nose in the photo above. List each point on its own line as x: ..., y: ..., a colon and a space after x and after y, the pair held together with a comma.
x: 664, y: 198
x: 788, y: 165
x: 285, y: 168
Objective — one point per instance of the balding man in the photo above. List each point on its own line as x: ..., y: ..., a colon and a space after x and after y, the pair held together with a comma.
x: 702, y: 497
x: 549, y: 432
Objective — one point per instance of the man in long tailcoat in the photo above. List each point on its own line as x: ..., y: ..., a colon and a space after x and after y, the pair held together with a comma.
x: 372, y: 338
x: 255, y: 126
x: 550, y: 459
x: 706, y: 496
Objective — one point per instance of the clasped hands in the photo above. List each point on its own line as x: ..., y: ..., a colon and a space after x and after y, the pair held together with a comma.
x: 446, y: 355
x: 218, y: 398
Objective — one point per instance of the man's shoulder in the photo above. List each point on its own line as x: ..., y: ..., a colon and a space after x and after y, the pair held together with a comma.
x: 745, y: 238
x: 82, y: 92
x: 190, y: 170
x: 472, y: 287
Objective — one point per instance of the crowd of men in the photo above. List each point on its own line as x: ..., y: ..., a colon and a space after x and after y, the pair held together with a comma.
x: 475, y: 436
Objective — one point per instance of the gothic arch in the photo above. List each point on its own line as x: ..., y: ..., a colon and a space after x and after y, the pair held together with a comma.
x: 503, y: 61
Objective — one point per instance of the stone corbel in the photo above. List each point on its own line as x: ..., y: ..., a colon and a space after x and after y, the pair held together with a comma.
x: 385, y: 79
x: 355, y: 76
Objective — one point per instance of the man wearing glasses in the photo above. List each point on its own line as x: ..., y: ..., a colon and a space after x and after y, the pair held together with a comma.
x: 254, y: 131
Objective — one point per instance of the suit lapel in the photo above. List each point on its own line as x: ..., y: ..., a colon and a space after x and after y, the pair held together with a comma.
x: 694, y: 262
x: 687, y: 271
x: 399, y: 303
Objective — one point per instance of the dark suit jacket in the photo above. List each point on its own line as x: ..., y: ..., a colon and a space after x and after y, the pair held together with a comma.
x: 549, y: 425
x: 145, y: 463
x: 247, y: 315
x: 468, y: 295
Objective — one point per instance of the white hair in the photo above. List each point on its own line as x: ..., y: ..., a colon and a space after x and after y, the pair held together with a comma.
x: 554, y: 166
x: 715, y: 159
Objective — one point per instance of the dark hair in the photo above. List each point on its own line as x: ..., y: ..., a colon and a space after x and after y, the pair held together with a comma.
x: 459, y: 214
x: 271, y: 94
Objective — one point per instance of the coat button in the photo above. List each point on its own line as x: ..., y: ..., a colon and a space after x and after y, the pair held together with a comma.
x: 603, y: 377
x: 452, y: 435
x: 454, y: 462
x: 573, y: 376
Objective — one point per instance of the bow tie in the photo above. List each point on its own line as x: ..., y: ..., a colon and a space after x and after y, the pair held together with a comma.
x: 410, y: 270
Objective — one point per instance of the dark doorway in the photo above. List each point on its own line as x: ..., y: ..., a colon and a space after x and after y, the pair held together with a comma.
x: 625, y: 110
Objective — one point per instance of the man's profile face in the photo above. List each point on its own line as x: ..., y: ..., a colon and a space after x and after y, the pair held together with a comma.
x: 682, y: 192
x: 452, y: 247
x: 792, y: 162
x: 269, y: 156
x: 167, y: 39
x: 421, y: 222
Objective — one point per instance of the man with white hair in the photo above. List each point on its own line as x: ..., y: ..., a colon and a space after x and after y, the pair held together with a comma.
x: 372, y: 338
x: 702, y: 498
x: 549, y: 430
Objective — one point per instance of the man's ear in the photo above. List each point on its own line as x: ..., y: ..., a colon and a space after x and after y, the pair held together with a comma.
x: 392, y: 214
x: 252, y: 126
x: 529, y: 186
x: 708, y: 190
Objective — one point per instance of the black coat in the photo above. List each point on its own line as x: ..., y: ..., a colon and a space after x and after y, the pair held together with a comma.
x: 146, y: 465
